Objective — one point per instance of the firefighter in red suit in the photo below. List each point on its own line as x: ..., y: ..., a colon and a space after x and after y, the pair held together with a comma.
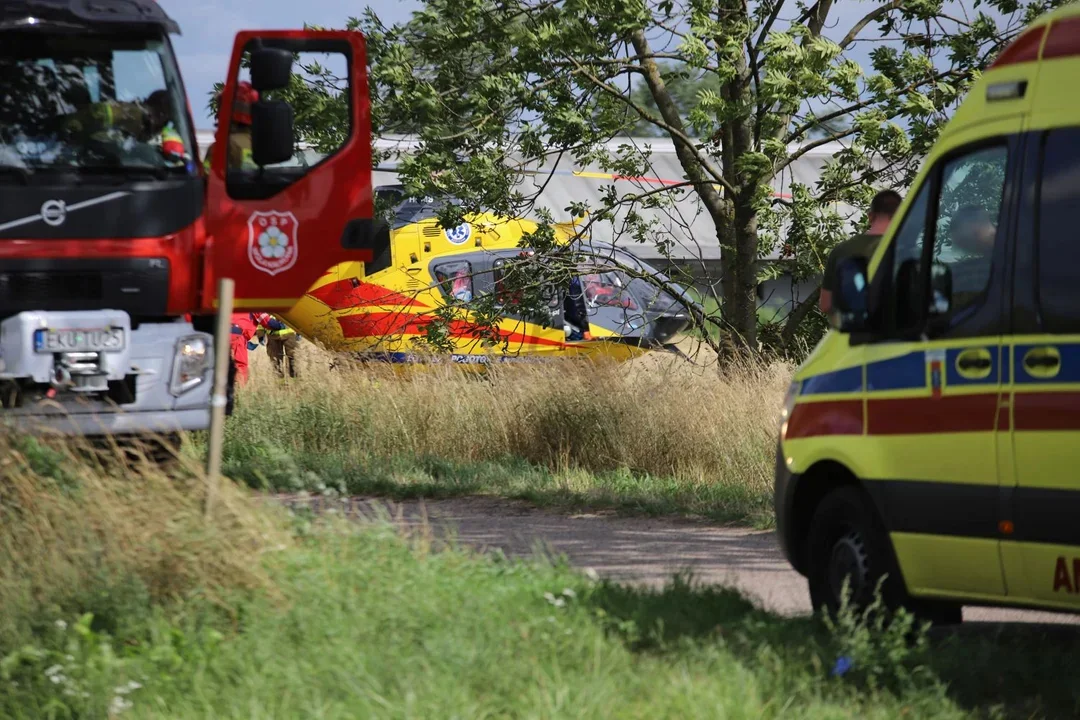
x: 243, y: 330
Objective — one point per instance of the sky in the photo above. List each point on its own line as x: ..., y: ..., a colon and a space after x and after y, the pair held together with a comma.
x: 208, y: 31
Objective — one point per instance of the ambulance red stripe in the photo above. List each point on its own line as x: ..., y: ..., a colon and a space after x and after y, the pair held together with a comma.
x: 928, y: 415
x: 829, y: 417
x: 1047, y: 410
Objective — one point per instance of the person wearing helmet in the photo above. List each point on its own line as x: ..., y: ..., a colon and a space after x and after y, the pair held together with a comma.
x: 239, y: 155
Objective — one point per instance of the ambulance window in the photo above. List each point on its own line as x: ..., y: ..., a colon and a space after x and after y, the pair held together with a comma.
x: 968, y: 210
x: 964, y: 218
x: 907, y: 249
x: 1058, y: 253
x: 455, y: 280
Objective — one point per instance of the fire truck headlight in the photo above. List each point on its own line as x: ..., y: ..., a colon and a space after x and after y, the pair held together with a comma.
x: 191, y: 364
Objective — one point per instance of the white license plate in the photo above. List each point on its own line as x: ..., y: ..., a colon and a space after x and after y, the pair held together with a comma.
x: 79, y: 340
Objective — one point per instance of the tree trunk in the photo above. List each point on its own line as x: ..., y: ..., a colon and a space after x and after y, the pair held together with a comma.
x: 740, y: 260
x: 740, y: 292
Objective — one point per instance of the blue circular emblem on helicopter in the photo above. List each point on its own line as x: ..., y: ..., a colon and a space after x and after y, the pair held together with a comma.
x: 459, y: 235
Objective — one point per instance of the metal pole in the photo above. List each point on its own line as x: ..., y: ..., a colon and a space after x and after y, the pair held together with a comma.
x: 222, y: 348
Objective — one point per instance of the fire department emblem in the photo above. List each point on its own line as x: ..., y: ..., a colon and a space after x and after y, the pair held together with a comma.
x: 272, y: 240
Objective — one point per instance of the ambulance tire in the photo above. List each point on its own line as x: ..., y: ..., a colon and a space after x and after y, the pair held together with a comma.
x: 848, y: 538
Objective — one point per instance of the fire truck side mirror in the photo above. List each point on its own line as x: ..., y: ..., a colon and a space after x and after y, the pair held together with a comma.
x: 271, y: 68
x: 271, y: 132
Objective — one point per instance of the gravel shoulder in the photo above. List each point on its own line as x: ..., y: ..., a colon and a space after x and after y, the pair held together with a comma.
x: 636, y: 550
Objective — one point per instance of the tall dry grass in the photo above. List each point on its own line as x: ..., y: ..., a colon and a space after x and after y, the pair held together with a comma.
x: 657, y: 415
x: 91, y: 530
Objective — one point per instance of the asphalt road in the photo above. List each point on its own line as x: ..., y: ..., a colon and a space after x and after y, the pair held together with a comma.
x: 634, y: 549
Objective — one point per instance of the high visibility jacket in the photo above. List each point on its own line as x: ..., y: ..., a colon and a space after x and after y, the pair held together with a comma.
x: 239, y: 156
x: 272, y: 326
x: 240, y: 151
x: 99, y: 118
x: 103, y: 116
x: 172, y: 145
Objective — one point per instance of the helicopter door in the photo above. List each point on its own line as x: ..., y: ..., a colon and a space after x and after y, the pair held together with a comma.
x: 610, y: 304
x: 542, y: 333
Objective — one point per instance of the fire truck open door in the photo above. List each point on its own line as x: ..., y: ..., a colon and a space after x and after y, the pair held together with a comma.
x: 277, y: 223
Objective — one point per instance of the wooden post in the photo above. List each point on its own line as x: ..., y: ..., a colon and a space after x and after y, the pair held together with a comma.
x: 219, y: 398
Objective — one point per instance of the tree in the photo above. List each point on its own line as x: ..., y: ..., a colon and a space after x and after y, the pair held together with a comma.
x: 683, y: 84
x: 743, y: 90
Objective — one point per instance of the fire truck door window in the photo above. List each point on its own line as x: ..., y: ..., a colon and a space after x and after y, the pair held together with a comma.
x: 319, y: 95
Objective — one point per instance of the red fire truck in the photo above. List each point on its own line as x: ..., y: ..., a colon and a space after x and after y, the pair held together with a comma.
x: 113, y: 236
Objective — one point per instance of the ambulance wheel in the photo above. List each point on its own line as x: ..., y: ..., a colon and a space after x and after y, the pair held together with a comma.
x: 848, y: 539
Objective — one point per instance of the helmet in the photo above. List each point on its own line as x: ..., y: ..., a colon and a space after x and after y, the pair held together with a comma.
x: 245, y: 96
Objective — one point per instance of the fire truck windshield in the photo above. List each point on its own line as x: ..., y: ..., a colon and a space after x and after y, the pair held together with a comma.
x: 93, y: 102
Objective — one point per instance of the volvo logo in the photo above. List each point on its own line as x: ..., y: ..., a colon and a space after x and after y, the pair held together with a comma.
x: 54, y: 212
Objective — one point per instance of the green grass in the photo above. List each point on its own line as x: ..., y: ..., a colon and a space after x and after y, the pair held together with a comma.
x: 125, y: 596
x: 369, y: 625
x: 771, y: 311
x: 408, y: 477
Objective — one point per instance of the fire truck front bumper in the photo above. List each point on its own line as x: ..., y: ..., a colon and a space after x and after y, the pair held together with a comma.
x: 91, y: 374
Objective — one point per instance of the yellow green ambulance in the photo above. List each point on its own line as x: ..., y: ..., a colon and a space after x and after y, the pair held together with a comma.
x: 933, y: 437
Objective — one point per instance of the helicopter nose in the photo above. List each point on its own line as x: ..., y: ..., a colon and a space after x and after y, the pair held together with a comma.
x: 667, y: 327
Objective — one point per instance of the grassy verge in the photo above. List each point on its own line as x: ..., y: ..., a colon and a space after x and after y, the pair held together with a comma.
x: 235, y: 613
x: 657, y: 435
x: 125, y: 600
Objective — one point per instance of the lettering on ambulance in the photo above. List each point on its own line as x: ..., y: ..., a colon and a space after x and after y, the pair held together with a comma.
x: 1063, y: 580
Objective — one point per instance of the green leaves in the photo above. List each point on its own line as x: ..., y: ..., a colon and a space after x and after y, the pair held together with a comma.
x: 491, y: 88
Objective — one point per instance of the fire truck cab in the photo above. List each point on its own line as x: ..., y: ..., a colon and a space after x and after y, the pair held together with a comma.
x: 113, y: 235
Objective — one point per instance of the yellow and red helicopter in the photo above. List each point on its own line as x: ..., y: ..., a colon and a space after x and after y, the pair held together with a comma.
x: 381, y: 310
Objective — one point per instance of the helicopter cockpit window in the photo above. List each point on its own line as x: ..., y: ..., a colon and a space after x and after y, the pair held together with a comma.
x: 505, y: 296
x: 606, y: 289
x: 455, y: 280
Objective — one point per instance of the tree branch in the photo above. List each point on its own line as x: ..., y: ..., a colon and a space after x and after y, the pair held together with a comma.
x: 816, y: 17
x: 764, y: 34
x: 816, y: 144
x: 800, y: 130
x: 787, y: 336
x: 683, y: 144
x: 867, y: 19
x: 689, y: 157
